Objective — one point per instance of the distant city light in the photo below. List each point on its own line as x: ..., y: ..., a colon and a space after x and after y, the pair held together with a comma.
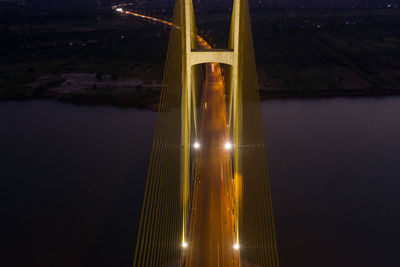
x: 228, y: 146
x: 119, y: 10
x: 196, y: 145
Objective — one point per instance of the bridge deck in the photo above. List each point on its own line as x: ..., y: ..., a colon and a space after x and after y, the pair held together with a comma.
x: 211, y: 229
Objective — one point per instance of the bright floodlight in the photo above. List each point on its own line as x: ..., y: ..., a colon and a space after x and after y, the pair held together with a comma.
x: 228, y: 146
x: 184, y: 244
x: 196, y: 145
x: 119, y: 10
x: 236, y: 246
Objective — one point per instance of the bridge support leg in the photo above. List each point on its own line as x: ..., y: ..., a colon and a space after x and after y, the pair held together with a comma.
x: 186, y: 109
x: 236, y: 110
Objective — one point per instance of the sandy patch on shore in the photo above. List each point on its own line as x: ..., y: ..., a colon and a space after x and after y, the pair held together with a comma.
x: 83, y: 82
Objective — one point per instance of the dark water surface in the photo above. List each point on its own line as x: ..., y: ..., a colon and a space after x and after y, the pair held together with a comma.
x: 335, y: 175
x: 72, y: 181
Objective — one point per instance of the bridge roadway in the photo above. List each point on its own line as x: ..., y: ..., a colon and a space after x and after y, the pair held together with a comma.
x: 211, y: 237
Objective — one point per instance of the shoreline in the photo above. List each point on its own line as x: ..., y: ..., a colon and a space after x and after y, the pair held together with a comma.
x: 128, y: 100
x: 268, y: 95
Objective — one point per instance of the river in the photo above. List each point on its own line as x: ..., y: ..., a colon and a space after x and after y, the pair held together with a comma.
x: 72, y: 180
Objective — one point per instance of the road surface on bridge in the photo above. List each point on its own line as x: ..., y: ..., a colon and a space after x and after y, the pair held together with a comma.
x: 211, y: 237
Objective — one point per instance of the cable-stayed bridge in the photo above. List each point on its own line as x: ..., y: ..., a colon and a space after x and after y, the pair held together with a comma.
x: 207, y: 199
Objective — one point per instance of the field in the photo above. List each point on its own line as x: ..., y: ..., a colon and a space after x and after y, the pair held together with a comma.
x: 302, y: 54
x: 36, y: 58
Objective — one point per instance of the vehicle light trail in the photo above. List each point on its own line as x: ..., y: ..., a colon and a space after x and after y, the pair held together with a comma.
x: 120, y: 8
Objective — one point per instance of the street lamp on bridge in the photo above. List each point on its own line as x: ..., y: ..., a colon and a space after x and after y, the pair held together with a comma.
x: 228, y: 145
x: 196, y: 145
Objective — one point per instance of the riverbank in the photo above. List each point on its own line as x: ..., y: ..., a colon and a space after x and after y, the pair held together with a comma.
x: 91, y: 89
x: 87, y: 89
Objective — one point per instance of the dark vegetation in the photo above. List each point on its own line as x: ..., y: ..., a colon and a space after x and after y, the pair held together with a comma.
x: 345, y: 53
x: 340, y: 53
x: 120, y: 47
x: 298, y: 53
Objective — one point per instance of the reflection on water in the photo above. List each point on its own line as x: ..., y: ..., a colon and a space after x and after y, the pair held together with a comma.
x: 72, y: 179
